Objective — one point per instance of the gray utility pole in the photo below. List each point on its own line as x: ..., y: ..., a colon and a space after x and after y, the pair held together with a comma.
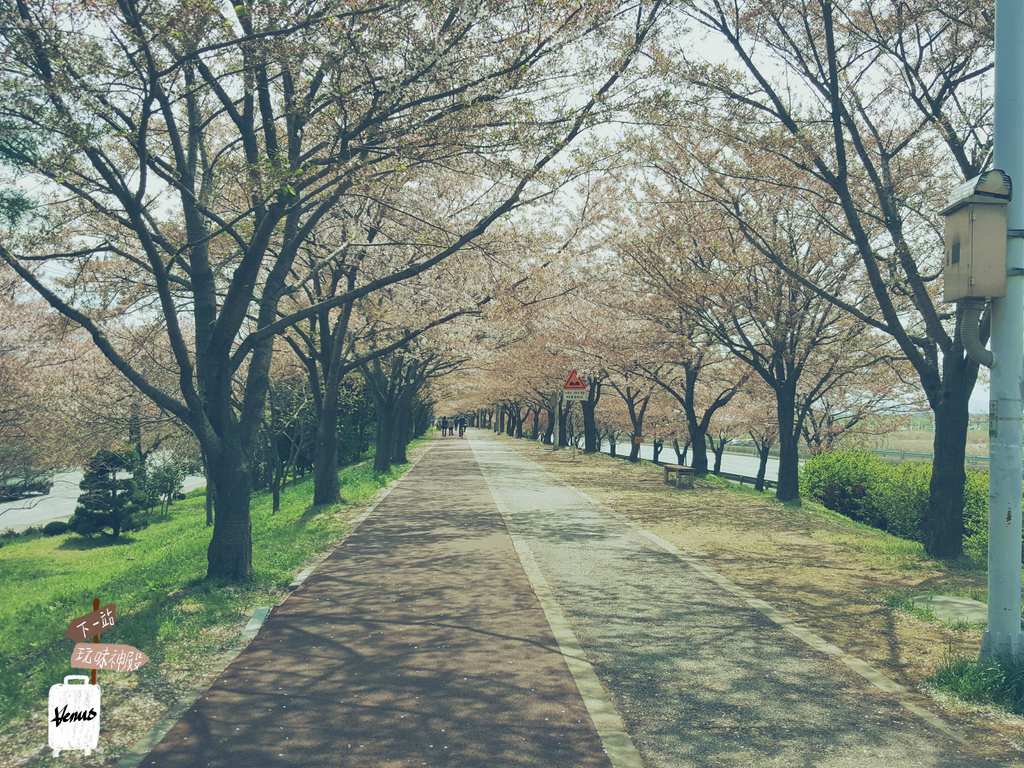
x: 1006, y: 429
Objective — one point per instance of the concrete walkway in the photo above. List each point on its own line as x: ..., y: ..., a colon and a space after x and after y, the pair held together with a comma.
x: 487, y: 615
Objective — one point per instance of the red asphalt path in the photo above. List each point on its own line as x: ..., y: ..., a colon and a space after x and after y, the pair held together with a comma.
x: 419, y: 641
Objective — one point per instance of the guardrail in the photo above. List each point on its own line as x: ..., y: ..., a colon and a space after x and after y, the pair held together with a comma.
x: 884, y: 454
x: 744, y: 480
x: 734, y: 477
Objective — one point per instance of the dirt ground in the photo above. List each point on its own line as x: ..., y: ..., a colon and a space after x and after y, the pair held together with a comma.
x: 825, y: 573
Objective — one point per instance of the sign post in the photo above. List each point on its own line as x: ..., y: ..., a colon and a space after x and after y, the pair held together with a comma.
x: 96, y: 655
x: 556, y: 409
x: 92, y: 624
x: 115, y: 658
x: 574, y: 388
x: 76, y: 708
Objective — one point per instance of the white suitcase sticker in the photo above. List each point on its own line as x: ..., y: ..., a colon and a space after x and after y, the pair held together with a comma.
x: 74, y: 715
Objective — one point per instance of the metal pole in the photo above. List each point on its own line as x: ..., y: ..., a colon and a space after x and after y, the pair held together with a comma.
x: 556, y: 406
x: 1006, y: 429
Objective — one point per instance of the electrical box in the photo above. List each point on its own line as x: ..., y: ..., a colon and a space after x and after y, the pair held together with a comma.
x: 975, y: 259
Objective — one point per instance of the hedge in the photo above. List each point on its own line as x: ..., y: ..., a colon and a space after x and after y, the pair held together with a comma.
x: 842, y: 480
x: 891, y: 497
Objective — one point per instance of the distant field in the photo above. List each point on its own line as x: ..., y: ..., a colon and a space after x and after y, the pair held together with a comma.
x: 921, y: 440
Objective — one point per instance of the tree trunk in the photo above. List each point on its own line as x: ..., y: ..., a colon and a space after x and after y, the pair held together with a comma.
x: 209, y: 488
x: 325, y: 456
x: 392, y: 388
x: 403, y: 424
x: 563, y: 420
x: 273, y: 460
x: 636, y: 417
x: 788, y: 488
x: 549, y: 430
x: 697, y: 427
x: 611, y: 446
x: 591, y: 441
x: 385, y: 441
x: 680, y: 455
x: 698, y: 446
x: 718, y: 450
x: 943, y: 522
x: 762, y: 465
x: 657, y: 445
x: 230, y: 552
x: 420, y: 419
x: 325, y: 450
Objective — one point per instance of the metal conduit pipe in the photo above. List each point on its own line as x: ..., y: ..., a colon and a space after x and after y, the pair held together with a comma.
x: 970, y: 335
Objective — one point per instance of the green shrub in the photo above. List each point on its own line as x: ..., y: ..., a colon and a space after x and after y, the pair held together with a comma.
x: 841, y: 481
x: 56, y: 528
x: 898, y: 498
x: 164, y: 483
x: 976, y: 514
x: 891, y: 497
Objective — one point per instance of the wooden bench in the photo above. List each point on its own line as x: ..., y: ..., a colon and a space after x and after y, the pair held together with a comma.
x: 681, y: 472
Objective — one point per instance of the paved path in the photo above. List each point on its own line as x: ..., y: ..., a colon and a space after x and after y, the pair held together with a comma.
x: 418, y: 642
x: 422, y: 641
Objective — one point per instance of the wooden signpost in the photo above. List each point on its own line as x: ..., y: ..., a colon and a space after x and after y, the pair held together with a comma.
x: 90, y: 625
x: 76, y: 708
x: 116, y: 658
x: 94, y: 655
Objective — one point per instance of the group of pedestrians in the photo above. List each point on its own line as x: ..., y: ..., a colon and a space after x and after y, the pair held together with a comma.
x: 448, y: 426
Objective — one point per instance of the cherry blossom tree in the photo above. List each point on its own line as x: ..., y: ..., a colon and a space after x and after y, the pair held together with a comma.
x: 36, y: 379
x: 716, y: 247
x: 193, y: 149
x: 878, y: 110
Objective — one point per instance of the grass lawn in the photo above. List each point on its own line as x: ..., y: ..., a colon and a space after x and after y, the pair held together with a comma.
x: 165, y: 607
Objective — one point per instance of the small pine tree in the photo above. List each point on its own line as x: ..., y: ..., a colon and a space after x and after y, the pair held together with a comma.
x: 110, y: 501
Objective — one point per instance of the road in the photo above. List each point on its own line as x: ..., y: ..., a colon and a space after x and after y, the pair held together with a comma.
x: 59, y: 504
x: 732, y: 463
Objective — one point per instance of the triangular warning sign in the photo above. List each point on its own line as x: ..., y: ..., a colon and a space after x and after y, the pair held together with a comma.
x: 574, y: 382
